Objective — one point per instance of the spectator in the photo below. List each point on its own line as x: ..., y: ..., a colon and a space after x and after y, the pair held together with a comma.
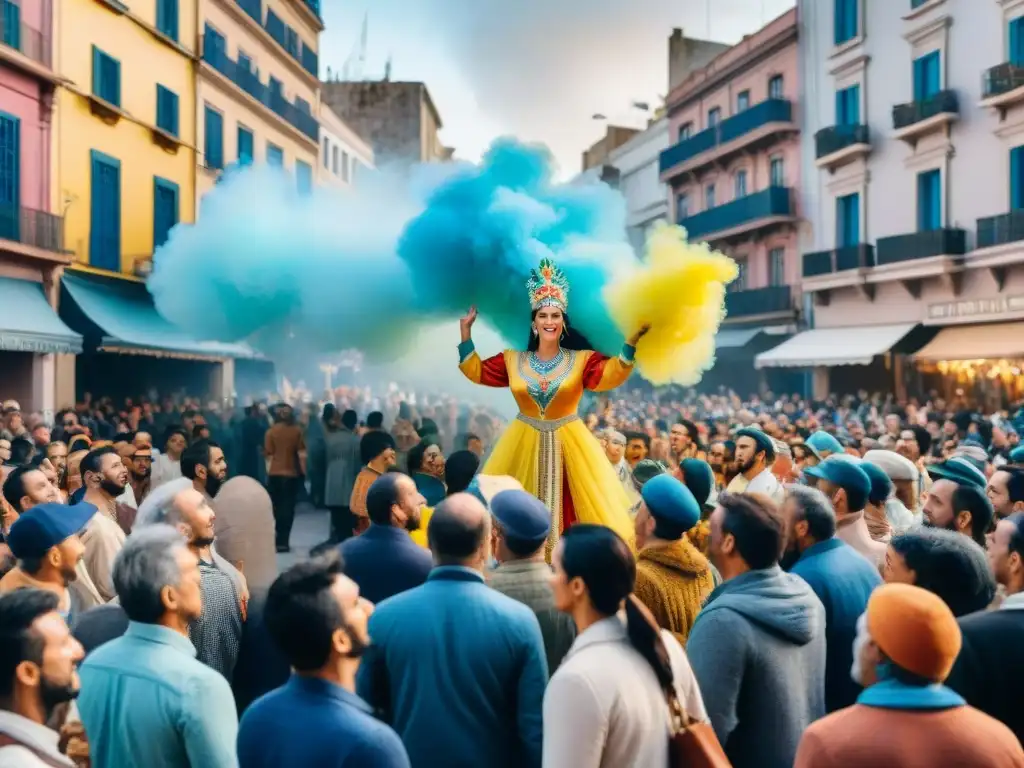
x: 384, y: 561
x: 192, y: 722
x: 902, y: 507
x: 638, y: 445
x: 38, y: 660
x: 848, y: 487
x: 319, y: 621
x: 284, y: 447
x: 456, y: 646
x: 946, y: 563
x: 167, y: 464
x: 822, y: 445
x: 963, y: 509
x: 606, y: 704
x: 755, y: 454
x: 1006, y: 491
x: 377, y: 452
x: 672, y: 578
x: 521, y: 525
x: 989, y: 671
x: 203, y: 463
x: 839, y: 575
x: 343, y: 463
x: 905, y: 718
x: 758, y: 646
x: 874, y: 511
x: 425, y: 462
x: 460, y: 469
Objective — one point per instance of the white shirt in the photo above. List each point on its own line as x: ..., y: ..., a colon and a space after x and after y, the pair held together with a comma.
x: 164, y: 470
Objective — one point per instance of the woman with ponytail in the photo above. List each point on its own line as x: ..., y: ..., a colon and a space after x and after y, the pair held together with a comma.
x: 606, y: 703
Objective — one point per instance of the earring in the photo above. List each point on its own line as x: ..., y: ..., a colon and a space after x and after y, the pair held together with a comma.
x: 562, y: 337
x: 534, y: 331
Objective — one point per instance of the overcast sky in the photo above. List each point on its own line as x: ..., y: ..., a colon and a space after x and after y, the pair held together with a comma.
x: 535, y: 69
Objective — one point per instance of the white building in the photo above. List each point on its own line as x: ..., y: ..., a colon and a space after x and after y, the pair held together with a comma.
x: 913, y: 191
x: 342, y: 152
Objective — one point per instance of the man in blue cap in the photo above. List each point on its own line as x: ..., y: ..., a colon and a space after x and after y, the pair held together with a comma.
x: 848, y: 487
x: 521, y: 524
x: 755, y: 455
x: 672, y: 577
x: 46, y: 543
x: 824, y: 445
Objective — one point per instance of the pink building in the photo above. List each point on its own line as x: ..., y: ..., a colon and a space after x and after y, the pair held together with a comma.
x: 732, y: 173
x: 34, y: 342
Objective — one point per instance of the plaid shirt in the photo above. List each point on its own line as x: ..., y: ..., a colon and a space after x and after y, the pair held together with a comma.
x: 217, y: 633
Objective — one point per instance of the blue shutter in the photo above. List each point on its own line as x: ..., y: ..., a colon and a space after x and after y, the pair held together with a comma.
x: 167, y: 18
x: 12, y: 24
x: 852, y: 20
x: 165, y: 210
x: 848, y: 106
x: 845, y: 20
x: 1015, y: 44
x: 929, y: 200
x: 167, y: 110
x: 245, y: 146
x: 214, y: 130
x: 847, y: 220
x: 1016, y: 178
x: 303, y: 177
x: 275, y: 155
x: 927, y: 76
x: 10, y: 177
x: 105, y: 213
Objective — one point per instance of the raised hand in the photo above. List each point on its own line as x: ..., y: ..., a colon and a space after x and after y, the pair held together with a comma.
x: 466, y: 324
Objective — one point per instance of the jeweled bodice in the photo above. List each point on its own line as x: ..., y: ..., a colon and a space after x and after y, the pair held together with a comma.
x: 541, y: 381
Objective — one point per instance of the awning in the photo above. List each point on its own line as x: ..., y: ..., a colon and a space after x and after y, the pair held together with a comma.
x: 834, y: 346
x: 733, y: 338
x: 975, y: 342
x: 29, y: 324
x: 130, y: 324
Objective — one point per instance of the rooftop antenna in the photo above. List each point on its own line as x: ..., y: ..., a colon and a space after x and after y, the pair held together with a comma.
x: 387, y: 70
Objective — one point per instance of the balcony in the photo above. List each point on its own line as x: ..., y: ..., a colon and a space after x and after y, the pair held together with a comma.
x: 919, y: 118
x: 760, y: 210
x: 24, y: 47
x: 774, y: 300
x: 839, y: 145
x: 249, y: 82
x: 916, y: 246
x: 757, y: 125
x: 1002, y: 87
x: 36, y: 231
x: 850, y: 257
x: 1001, y: 230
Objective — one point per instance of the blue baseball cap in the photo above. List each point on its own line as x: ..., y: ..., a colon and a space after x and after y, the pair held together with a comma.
x: 843, y: 473
x: 822, y: 441
x: 1017, y: 455
x: 521, y: 516
x: 960, y: 470
x: 668, y: 499
x: 44, y: 526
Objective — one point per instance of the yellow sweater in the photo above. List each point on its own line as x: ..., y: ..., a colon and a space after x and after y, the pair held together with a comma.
x: 673, y: 580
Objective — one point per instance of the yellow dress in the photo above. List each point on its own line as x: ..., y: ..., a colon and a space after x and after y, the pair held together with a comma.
x: 547, y: 448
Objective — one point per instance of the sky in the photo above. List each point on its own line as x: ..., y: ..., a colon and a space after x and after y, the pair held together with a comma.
x: 535, y: 69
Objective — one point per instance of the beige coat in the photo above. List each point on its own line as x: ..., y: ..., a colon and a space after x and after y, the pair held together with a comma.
x: 103, y: 539
x: 604, y: 708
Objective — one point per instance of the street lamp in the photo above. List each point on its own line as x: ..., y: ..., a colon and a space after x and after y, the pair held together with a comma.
x: 329, y: 371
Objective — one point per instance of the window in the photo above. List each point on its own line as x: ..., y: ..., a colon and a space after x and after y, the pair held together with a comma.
x: 777, y: 172
x: 685, y: 131
x: 334, y: 161
x: 214, y: 44
x: 303, y: 177
x: 740, y: 283
x: 848, y: 106
x: 10, y: 176
x: 106, y: 77
x: 214, y: 132
x: 291, y: 41
x: 682, y: 207
x: 327, y: 154
x: 775, y: 87
x: 167, y: 18
x: 302, y: 105
x: 245, y: 146
x: 244, y: 62
x: 12, y: 25
x: 1016, y: 178
x: 275, y: 155
x: 927, y: 76
x: 709, y: 196
x: 166, y: 110
x: 714, y: 117
x: 846, y: 20
x: 344, y: 166
x: 777, y: 266
x: 105, y: 213
x: 740, y: 182
x: 274, y: 85
x: 847, y: 220
x: 742, y: 101
x: 275, y: 27
x: 165, y: 210
x: 1015, y: 43
x: 929, y: 200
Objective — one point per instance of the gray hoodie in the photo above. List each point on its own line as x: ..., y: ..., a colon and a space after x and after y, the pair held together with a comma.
x: 758, y: 651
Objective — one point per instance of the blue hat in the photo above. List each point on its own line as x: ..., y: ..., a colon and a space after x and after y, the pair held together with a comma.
x: 764, y: 443
x: 668, y: 499
x: 45, y: 526
x: 1017, y: 455
x: 960, y: 471
x: 843, y: 473
x: 699, y: 478
x: 881, y: 485
x: 823, y: 441
x: 521, y: 516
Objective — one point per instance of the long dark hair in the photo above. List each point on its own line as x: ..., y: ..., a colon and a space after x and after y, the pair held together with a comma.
x: 602, y: 559
x: 571, y: 338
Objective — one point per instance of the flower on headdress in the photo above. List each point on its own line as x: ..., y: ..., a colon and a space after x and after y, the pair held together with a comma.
x: 548, y: 286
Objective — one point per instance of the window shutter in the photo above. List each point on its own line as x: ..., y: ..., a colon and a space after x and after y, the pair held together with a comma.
x: 105, y: 214
x: 1016, y: 169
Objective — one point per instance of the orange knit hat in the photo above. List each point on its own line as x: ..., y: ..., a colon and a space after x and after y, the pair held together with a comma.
x: 915, y: 629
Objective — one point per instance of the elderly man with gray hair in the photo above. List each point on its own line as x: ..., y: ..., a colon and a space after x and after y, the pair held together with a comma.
x: 217, y: 633
x: 841, y: 577
x: 145, y: 698
x: 615, y: 449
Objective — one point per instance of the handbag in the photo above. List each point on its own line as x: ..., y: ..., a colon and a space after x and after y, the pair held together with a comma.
x: 691, y: 743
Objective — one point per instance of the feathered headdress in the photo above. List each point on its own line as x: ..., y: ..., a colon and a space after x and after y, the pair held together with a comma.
x: 548, y: 286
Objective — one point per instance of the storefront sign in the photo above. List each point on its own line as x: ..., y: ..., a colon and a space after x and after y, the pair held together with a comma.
x: 976, y: 310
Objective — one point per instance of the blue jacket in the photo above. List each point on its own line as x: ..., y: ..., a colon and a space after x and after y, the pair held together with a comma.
x: 459, y: 671
x: 147, y: 701
x: 843, y: 580
x: 311, y: 722
x: 384, y: 561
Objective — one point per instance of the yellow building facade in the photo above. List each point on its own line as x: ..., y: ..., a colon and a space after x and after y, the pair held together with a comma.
x: 124, y: 138
x: 258, y: 88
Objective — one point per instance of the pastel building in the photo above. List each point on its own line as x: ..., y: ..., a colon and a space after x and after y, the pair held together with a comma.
x: 914, y: 194
x: 733, y: 171
x: 343, y: 154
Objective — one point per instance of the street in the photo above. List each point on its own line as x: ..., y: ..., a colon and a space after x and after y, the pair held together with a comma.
x: 309, y: 530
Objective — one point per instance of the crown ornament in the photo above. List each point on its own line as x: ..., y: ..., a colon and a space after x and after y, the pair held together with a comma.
x: 548, y: 286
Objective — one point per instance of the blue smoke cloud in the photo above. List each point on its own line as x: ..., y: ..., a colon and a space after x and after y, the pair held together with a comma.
x: 367, y: 268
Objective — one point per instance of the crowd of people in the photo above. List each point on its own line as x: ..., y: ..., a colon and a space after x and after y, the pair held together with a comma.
x: 821, y: 583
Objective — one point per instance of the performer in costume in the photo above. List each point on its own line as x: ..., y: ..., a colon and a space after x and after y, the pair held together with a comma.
x: 547, y: 448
